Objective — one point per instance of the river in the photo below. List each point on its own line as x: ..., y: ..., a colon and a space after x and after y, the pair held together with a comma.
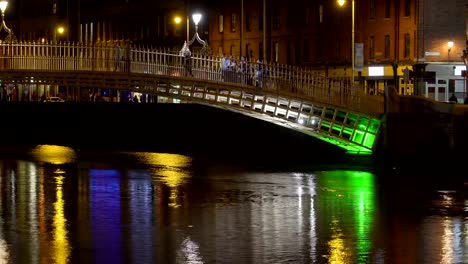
x: 64, y: 205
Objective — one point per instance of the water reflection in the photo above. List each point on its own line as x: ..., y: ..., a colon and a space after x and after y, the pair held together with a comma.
x: 54, y: 154
x: 60, y: 232
x: 170, y: 169
x: 347, y: 200
x: 166, y: 211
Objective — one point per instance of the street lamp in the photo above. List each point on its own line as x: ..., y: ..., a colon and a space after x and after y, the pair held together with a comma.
x: 178, y: 20
x: 450, y: 46
x: 196, y: 19
x: 341, y: 3
x: 3, y: 6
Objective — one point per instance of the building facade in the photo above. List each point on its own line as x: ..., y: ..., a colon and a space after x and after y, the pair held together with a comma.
x: 399, y: 43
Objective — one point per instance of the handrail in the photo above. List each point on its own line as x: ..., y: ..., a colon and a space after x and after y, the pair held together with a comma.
x: 106, y: 57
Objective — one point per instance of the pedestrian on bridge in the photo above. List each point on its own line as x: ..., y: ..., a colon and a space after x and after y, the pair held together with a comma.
x: 118, y: 56
x: 188, y: 63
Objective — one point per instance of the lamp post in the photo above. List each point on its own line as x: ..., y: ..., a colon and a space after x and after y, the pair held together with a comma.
x: 196, y: 19
x: 450, y: 46
x: 10, y: 37
x: 341, y: 3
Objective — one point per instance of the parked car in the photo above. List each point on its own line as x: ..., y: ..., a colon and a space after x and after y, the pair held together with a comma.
x: 54, y: 99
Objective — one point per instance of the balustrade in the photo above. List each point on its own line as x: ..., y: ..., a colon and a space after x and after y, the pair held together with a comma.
x: 285, y: 79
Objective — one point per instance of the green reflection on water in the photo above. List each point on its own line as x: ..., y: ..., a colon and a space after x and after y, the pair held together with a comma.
x: 348, y: 200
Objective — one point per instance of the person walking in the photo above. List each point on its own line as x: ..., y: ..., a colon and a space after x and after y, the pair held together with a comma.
x: 453, y: 99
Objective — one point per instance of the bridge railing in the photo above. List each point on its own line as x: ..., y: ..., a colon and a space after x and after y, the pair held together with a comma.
x: 107, y: 57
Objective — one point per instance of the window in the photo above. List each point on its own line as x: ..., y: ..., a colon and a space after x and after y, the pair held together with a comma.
x: 372, y: 9
x: 407, y: 7
x: 260, y: 51
x: 387, y: 9
x: 276, y: 19
x: 372, y: 48
x: 407, y: 45
x: 248, y: 50
x: 290, y: 20
x: 248, y: 22
x: 305, y: 50
x: 221, y: 23
x: 276, y: 52
x: 321, y: 13
x: 220, y: 50
x: 387, y: 46
x: 337, y: 49
x: 232, y: 50
x: 260, y: 19
x: 233, y: 22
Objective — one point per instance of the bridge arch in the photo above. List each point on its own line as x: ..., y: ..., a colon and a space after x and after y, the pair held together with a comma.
x: 298, y: 99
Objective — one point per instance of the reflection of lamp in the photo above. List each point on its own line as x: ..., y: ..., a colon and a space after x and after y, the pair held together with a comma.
x: 450, y: 46
x: 341, y: 3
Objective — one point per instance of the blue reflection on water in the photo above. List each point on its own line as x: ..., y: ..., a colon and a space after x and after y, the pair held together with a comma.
x: 106, y: 225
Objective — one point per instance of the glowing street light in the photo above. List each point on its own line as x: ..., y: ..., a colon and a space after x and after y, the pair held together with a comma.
x: 196, y: 20
x: 450, y: 46
x: 3, y: 7
x: 60, y: 30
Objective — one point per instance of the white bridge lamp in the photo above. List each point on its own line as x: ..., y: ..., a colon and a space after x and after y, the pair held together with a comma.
x: 196, y: 19
x: 3, y: 7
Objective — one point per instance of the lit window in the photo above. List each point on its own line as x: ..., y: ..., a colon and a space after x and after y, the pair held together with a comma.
x: 233, y: 22
x: 221, y: 23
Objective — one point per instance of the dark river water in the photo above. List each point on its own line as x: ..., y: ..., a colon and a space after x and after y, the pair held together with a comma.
x: 59, y: 205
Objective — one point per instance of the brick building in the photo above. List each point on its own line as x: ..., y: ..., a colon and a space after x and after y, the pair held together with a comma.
x: 390, y: 37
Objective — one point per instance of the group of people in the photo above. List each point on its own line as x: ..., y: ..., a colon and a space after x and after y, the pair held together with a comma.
x: 240, y: 71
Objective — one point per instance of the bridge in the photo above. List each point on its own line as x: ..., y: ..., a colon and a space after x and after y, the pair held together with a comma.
x: 330, y: 109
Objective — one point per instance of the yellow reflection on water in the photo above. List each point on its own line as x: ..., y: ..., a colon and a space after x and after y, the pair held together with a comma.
x: 54, y: 154
x: 170, y: 169
x: 337, y: 247
x: 61, y: 245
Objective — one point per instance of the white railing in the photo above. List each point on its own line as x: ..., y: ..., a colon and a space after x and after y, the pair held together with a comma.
x: 106, y: 57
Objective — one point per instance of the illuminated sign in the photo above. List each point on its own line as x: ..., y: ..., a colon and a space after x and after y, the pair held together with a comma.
x: 376, y: 71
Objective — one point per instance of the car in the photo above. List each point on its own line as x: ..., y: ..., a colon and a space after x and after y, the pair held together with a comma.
x: 54, y: 99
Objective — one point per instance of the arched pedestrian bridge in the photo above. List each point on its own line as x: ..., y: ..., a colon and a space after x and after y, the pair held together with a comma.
x: 304, y: 100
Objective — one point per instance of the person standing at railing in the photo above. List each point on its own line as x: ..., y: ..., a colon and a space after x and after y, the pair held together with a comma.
x: 188, y: 63
x: 259, y: 74
x: 226, y: 62
x: 118, y: 56
x: 243, y: 70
